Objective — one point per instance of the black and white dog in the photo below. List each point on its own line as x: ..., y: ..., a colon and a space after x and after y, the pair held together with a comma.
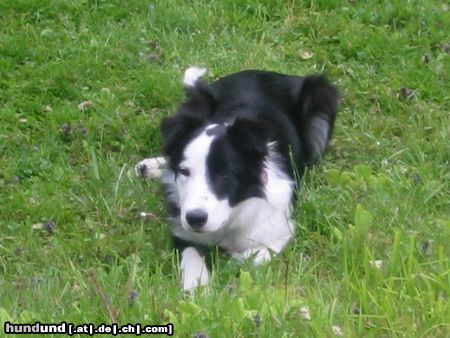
x: 235, y: 150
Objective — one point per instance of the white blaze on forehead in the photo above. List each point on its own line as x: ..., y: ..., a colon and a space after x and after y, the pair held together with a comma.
x: 194, y: 189
x: 197, y: 150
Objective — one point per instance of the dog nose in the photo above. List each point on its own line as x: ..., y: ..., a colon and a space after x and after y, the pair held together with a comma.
x: 196, y: 218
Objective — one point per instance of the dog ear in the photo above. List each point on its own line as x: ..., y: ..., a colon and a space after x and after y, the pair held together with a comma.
x: 201, y: 99
x: 176, y: 129
x: 250, y: 137
x: 200, y: 103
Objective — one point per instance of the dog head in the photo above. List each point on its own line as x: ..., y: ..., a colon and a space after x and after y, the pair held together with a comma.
x: 216, y: 165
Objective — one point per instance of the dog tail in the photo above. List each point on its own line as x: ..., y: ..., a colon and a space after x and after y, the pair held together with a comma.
x: 317, y: 106
x: 191, y: 76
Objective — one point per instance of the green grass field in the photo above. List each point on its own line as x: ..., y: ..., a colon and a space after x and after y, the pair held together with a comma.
x: 83, y: 87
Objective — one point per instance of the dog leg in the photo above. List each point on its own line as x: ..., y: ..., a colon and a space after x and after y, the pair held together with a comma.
x: 150, y: 168
x: 194, y: 272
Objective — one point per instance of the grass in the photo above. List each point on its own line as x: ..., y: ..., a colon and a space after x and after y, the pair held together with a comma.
x: 371, y: 254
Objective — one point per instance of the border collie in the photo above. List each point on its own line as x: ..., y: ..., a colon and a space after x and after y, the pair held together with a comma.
x: 233, y: 153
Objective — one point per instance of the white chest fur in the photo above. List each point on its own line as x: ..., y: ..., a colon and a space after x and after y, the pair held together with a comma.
x: 254, y: 224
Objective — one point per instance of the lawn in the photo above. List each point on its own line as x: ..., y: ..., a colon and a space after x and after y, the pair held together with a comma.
x: 83, y: 87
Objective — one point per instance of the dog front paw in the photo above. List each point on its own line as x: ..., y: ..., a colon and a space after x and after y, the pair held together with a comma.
x: 150, y: 168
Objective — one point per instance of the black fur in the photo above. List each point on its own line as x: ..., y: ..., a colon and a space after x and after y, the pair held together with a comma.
x: 261, y: 107
x: 261, y: 117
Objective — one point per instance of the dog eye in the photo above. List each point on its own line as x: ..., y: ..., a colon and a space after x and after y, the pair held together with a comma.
x: 184, y: 171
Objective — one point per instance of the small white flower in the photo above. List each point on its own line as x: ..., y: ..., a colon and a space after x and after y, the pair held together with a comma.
x: 306, y: 55
x: 304, y: 312
x: 38, y: 226
x: 377, y: 264
x: 84, y: 105
x: 145, y: 216
x: 337, y: 330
